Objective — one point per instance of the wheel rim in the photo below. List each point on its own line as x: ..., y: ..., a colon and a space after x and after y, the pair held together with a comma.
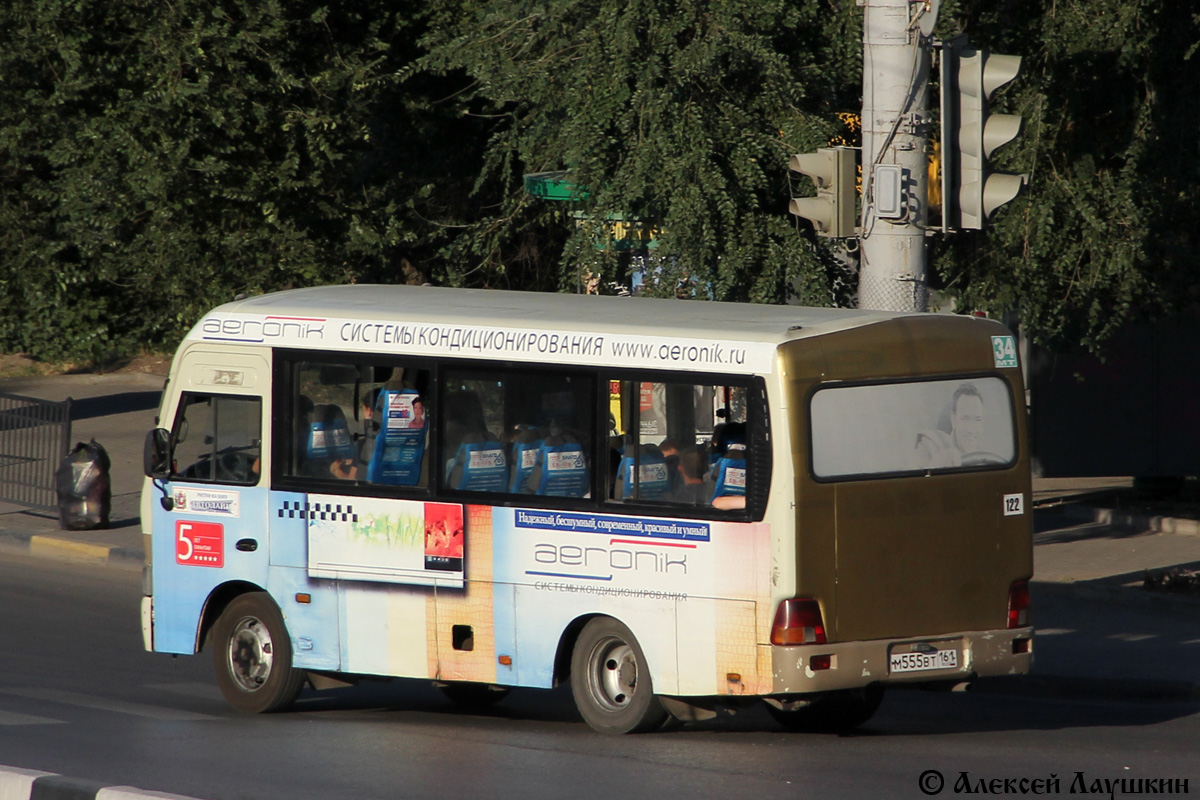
x: 251, y: 654
x: 612, y: 674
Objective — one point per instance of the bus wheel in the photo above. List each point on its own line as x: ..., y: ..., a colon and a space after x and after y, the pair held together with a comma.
x: 610, y: 680
x: 473, y: 695
x: 832, y: 712
x: 252, y: 655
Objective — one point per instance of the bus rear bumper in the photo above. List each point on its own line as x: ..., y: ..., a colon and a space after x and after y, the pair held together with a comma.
x: 945, y: 658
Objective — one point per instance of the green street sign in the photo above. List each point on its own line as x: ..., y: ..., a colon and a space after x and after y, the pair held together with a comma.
x: 552, y: 186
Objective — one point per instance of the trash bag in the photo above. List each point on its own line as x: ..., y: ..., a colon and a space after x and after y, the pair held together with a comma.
x: 84, y: 488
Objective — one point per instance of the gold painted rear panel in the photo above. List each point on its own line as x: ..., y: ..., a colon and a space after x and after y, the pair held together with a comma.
x: 915, y: 555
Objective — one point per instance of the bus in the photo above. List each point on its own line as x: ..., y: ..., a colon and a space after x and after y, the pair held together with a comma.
x: 678, y: 508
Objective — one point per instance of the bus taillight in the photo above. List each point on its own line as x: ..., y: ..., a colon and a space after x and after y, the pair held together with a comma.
x: 798, y: 621
x: 1018, y: 604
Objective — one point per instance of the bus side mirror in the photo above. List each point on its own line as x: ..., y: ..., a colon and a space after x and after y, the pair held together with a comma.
x: 156, y: 454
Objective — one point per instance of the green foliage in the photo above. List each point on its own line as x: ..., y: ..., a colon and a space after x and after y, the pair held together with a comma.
x: 680, y: 116
x: 1108, y: 229
x: 158, y: 158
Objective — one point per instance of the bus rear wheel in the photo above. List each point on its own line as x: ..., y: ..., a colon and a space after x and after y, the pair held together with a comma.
x: 252, y: 655
x: 611, y: 682
x: 832, y: 712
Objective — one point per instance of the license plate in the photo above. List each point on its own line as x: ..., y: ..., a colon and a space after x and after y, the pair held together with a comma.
x: 921, y: 662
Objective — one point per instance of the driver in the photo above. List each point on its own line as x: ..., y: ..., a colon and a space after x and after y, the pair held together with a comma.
x: 937, y: 448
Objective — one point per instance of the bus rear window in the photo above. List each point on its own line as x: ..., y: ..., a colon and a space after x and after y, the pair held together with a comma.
x: 906, y: 428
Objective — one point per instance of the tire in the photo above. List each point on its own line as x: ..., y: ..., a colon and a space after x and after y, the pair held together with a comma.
x: 832, y: 712
x: 611, y: 682
x: 473, y: 695
x: 252, y: 655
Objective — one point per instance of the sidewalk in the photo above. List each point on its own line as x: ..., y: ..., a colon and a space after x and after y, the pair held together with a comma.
x: 1099, y: 633
x: 116, y: 410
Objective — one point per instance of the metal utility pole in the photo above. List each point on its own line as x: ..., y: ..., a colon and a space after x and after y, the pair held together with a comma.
x: 895, y: 132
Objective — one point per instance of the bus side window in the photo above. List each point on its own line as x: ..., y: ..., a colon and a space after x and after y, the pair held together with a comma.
x: 341, y: 415
x: 679, y: 444
x: 517, y: 431
x: 218, y: 439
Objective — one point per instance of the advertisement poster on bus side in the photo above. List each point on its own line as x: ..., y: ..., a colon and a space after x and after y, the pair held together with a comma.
x: 695, y: 593
x: 391, y: 541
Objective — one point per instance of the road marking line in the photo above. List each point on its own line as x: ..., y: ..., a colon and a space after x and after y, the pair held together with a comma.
x: 106, y: 704
x: 13, y: 718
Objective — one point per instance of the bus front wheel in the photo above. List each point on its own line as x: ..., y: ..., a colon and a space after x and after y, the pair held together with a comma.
x: 252, y: 655
x: 611, y: 682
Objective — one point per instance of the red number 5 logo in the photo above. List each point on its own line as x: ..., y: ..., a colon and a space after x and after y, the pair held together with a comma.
x: 200, y: 544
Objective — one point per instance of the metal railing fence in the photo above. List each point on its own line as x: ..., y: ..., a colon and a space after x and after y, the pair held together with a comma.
x: 34, y: 437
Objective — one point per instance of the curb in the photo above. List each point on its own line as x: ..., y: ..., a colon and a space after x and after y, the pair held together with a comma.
x: 45, y: 546
x: 1155, y: 523
x: 29, y: 784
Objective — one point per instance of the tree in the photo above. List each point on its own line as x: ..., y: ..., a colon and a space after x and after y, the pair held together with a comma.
x: 1107, y: 231
x: 156, y: 159
x: 678, y: 116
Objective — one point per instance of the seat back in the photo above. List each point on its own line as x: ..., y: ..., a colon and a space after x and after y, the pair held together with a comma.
x: 480, y: 465
x: 524, y: 459
x: 561, y: 468
x: 730, y: 472
x: 399, y: 447
x: 329, y: 434
x: 653, y: 480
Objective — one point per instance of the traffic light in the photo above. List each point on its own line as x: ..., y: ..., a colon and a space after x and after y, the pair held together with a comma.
x: 832, y: 170
x: 971, y: 192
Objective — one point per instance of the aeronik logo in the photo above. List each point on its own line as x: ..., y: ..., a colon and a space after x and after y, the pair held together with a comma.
x: 602, y: 562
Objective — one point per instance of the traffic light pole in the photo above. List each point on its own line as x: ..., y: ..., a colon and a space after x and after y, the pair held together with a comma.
x: 895, y: 131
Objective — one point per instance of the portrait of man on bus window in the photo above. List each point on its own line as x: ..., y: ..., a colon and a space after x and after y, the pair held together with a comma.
x: 912, y: 426
x: 960, y: 438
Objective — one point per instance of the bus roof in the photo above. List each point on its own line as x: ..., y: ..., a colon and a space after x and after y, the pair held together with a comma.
x: 542, y: 310
x: 430, y: 320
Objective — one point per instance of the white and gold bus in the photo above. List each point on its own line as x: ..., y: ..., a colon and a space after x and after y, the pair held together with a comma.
x: 676, y: 507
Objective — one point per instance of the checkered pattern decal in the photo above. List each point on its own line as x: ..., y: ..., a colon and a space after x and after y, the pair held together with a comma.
x: 293, y: 509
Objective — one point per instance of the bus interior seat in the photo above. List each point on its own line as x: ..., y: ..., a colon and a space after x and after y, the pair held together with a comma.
x: 523, y: 458
x: 730, y: 471
x: 479, y: 464
x: 398, y: 456
x: 561, y: 468
x: 653, y: 481
x: 329, y: 435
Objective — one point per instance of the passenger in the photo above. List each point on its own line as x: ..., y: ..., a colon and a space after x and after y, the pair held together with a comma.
x: 691, y: 488
x: 729, y: 502
x: 670, y: 450
x: 349, y: 469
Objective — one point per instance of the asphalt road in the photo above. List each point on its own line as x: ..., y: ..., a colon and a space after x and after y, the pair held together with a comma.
x: 79, y: 697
